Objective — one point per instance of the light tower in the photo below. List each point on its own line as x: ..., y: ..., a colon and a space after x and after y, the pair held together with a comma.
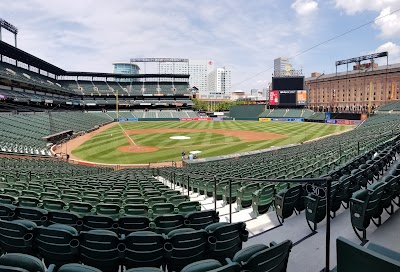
x: 7, y: 26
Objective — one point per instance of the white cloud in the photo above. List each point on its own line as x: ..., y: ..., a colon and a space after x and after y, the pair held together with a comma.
x: 354, y: 6
x: 89, y: 35
x: 304, y: 7
x: 393, y: 50
x: 390, y: 24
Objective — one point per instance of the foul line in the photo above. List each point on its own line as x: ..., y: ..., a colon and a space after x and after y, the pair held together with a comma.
x: 126, y: 134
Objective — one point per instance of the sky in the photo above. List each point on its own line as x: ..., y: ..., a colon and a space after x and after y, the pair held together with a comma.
x: 245, y: 35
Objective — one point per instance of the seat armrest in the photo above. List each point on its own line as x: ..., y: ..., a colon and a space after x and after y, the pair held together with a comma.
x: 51, y: 268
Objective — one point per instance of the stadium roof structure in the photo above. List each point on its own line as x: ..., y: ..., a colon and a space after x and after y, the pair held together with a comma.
x: 22, y: 56
x: 97, y: 74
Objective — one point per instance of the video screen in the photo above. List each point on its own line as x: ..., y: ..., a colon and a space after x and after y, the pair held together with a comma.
x: 287, y: 97
x: 288, y: 83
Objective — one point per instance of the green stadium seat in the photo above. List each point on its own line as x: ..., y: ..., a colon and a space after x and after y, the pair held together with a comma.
x: 112, y: 210
x: 262, y: 199
x: 49, y: 195
x: 144, y: 249
x: 99, y: 222
x: 81, y: 208
x: 129, y: 224
x: 184, y: 246
x: 342, y: 193
x: 135, y: 200
x: 76, y: 267
x: 65, y: 218
x: 161, y: 209
x: 177, y: 199
x: 36, y: 215
x: 57, y: 244
x: 70, y: 198
x: 286, y: 201
x: 188, y: 207
x: 202, y: 266
x: 225, y: 193
x: 136, y: 209
x: 156, y: 200
x: 92, y: 200
x: 263, y: 258
x: 244, y: 195
x: 7, y: 212
x: 21, y: 263
x: 101, y: 249
x: 163, y: 224
x: 364, y: 205
x: 201, y: 219
x: 228, y: 239
x: 8, y: 199
x: 17, y: 236
x: 315, y: 204
x: 145, y: 269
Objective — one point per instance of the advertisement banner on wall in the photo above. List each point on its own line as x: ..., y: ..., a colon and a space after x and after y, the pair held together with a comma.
x: 343, y: 122
x: 301, y: 97
x: 364, y: 116
x: 128, y: 119
x: 196, y: 119
x: 274, y: 98
x: 330, y: 121
x: 281, y: 119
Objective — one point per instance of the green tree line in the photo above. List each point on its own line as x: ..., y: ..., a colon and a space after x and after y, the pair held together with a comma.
x: 214, y: 105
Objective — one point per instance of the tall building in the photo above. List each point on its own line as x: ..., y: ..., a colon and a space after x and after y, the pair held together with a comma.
x: 197, y: 69
x: 125, y: 68
x: 282, y: 67
x: 220, y: 81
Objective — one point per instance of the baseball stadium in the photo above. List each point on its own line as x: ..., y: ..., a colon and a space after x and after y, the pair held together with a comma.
x: 121, y: 172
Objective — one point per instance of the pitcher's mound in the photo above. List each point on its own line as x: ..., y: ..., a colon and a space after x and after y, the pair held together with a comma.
x: 137, y: 149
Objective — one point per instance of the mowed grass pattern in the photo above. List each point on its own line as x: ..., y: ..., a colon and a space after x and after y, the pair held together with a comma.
x: 103, y: 146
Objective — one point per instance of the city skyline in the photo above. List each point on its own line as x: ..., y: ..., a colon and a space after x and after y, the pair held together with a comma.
x: 90, y: 35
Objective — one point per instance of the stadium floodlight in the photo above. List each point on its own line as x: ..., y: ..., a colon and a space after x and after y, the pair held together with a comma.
x: 366, y: 57
x: 7, y: 26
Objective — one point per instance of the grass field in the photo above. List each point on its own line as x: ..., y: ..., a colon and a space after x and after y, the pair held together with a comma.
x: 103, y: 146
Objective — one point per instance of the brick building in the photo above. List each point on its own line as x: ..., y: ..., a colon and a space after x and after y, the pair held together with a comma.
x: 358, y: 90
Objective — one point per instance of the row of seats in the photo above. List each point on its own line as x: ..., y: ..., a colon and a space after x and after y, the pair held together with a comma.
x: 350, y: 257
x: 60, y: 244
x: 122, y: 225
x: 359, y: 174
x: 368, y: 204
x: 257, y: 257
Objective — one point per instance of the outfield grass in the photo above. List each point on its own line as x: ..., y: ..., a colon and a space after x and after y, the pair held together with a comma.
x: 103, y: 146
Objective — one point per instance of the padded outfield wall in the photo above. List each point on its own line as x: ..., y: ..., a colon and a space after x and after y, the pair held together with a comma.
x: 246, y: 112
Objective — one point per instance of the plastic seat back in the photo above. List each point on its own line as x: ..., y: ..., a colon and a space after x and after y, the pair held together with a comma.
x: 101, y: 249
x: 144, y: 249
x: 58, y: 244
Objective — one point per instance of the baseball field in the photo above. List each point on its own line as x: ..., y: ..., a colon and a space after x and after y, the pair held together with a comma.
x: 144, y: 142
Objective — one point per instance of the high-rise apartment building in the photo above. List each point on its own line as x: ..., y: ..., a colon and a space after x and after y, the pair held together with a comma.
x: 197, y: 69
x: 220, y: 81
x: 282, y: 67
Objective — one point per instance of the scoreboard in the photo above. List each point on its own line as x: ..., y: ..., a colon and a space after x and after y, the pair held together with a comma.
x: 288, y: 91
x: 288, y: 98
